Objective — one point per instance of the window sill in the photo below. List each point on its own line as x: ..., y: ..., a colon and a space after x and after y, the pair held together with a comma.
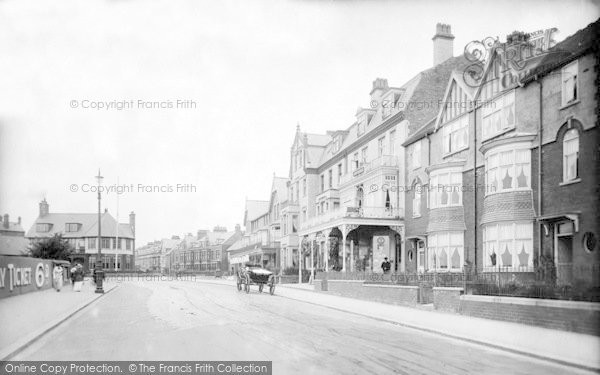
x: 564, y: 183
x: 416, y: 216
x: 508, y: 191
x: 502, y: 132
x: 451, y: 153
x: 570, y: 104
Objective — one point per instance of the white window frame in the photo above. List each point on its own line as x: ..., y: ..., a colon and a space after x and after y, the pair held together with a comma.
x: 570, y: 154
x: 570, y: 83
x: 445, y: 180
x: 515, y: 235
x: 456, y: 134
x: 381, y: 146
x: 387, y: 105
x: 445, y: 241
x: 416, y: 204
x: 498, y: 107
x: 392, y: 140
x: 416, y: 155
x: 494, y: 167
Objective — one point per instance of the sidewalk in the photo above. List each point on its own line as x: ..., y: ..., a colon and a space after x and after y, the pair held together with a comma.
x: 26, y: 317
x: 569, y: 348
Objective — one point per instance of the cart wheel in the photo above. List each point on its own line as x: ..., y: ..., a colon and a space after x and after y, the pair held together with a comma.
x: 272, y: 289
x: 260, y: 288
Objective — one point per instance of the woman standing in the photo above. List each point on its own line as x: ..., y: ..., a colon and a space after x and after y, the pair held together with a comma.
x: 78, y: 278
x: 57, y: 274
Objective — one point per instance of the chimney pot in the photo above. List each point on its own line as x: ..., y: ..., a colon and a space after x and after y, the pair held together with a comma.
x: 443, y: 43
x: 44, y: 208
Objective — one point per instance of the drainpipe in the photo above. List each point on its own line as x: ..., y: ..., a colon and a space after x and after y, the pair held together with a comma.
x: 475, y: 190
x: 540, y: 133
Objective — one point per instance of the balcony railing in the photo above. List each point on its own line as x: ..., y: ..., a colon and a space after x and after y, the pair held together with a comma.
x: 365, y: 167
x: 352, y: 212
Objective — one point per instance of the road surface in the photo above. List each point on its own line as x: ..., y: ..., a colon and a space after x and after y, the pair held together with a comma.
x: 187, y: 320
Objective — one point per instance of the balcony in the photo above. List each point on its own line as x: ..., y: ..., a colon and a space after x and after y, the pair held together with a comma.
x: 331, y: 193
x: 366, y: 167
x: 352, y: 212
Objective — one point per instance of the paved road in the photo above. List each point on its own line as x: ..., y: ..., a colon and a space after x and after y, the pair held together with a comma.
x: 184, y: 320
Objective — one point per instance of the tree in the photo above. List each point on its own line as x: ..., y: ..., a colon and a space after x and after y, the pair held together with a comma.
x: 52, y: 248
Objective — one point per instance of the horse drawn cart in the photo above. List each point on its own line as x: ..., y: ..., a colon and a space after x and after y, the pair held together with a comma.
x: 254, y: 274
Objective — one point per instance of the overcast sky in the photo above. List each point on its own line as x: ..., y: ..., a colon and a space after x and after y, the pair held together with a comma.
x: 253, y: 68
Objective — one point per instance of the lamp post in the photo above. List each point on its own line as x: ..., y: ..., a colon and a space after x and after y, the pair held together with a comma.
x: 99, y: 271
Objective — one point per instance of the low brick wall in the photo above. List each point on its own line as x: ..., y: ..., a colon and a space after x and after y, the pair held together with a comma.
x: 581, y: 317
x: 447, y: 299
x: 392, y: 294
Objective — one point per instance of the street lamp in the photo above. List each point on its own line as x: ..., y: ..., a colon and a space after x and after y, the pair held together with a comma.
x: 99, y: 271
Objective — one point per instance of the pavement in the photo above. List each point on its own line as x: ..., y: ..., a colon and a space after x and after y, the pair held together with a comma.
x: 202, y: 321
x: 207, y: 319
x: 569, y: 348
x: 26, y: 317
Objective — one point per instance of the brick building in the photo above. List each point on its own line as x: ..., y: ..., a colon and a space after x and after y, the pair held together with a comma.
x: 482, y: 196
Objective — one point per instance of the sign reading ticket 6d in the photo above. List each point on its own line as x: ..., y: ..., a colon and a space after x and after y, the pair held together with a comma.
x: 20, y: 275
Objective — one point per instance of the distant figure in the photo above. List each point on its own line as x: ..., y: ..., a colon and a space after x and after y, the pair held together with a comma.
x: 73, y: 271
x: 57, y: 274
x: 78, y: 278
x: 385, y: 266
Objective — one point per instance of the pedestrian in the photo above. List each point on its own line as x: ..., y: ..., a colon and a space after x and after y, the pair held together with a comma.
x: 72, y: 274
x: 385, y: 266
x: 78, y: 278
x: 57, y: 274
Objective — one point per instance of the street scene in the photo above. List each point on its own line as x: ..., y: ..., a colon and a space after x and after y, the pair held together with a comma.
x: 271, y: 187
x: 182, y: 319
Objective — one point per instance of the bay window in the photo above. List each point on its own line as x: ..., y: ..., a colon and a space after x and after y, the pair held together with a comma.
x: 456, y: 135
x: 498, y: 115
x: 508, y: 169
x: 446, y: 189
x: 445, y: 251
x: 570, y: 155
x: 508, y: 245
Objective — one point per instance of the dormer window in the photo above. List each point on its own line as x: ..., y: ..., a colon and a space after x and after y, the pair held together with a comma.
x: 387, y: 105
x: 71, y: 227
x: 43, y: 228
x: 336, y: 144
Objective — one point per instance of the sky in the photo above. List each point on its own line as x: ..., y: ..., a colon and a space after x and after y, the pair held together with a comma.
x: 205, y: 94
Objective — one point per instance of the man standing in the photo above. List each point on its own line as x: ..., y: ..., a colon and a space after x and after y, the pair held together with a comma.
x: 385, y: 266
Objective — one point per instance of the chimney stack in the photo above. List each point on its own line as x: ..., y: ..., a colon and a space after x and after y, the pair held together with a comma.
x: 5, y: 223
x: 380, y: 85
x: 443, y: 44
x: 44, y: 208
x: 201, y: 233
x: 238, y: 228
x: 132, y: 221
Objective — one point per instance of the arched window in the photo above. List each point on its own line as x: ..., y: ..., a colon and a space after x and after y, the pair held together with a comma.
x: 570, y: 155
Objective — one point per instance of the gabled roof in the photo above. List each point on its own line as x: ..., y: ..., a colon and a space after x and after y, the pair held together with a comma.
x: 255, y: 209
x: 420, y: 133
x: 214, y: 238
x: 88, y: 226
x: 457, y: 78
x: 280, y: 186
x: 13, y: 245
x: 576, y: 45
x: 429, y: 91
